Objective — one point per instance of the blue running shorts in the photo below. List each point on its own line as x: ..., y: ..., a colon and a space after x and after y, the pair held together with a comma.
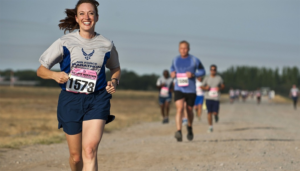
x: 74, y: 108
x: 162, y: 100
x: 212, y: 106
x: 199, y: 100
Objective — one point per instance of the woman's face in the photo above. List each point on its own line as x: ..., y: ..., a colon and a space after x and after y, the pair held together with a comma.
x: 86, y: 17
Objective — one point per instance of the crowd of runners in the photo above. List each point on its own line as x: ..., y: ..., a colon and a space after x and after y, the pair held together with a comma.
x: 190, y: 85
x: 194, y: 91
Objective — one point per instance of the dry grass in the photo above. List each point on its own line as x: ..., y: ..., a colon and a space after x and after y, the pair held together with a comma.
x: 28, y: 114
x: 281, y: 99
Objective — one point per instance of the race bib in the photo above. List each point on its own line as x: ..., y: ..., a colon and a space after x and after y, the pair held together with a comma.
x: 82, y: 81
x: 294, y: 93
x: 199, y: 91
x: 213, y: 92
x: 182, y: 79
x: 164, y: 92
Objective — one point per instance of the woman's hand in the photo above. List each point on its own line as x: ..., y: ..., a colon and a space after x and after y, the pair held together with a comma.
x: 60, y: 77
x: 45, y: 73
x: 111, y: 87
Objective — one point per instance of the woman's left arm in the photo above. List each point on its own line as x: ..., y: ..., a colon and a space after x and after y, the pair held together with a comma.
x: 115, y: 77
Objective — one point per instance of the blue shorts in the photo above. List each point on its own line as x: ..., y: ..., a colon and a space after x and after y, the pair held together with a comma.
x: 162, y: 100
x: 199, y: 100
x: 74, y: 108
x: 212, y: 106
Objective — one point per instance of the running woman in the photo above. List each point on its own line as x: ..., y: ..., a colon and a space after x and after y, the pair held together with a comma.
x: 199, y: 97
x: 84, y: 102
x: 165, y: 86
x: 185, y: 68
x: 294, y: 94
x: 212, y: 84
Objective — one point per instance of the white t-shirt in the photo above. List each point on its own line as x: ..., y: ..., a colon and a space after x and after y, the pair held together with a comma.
x: 294, y: 92
x: 231, y: 93
x: 199, y: 91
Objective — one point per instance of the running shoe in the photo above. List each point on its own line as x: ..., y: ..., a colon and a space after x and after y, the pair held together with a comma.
x: 178, y: 136
x: 184, y: 121
x: 216, y: 118
x: 164, y: 121
x: 167, y: 120
x: 210, y: 130
x: 190, y: 135
x: 199, y: 118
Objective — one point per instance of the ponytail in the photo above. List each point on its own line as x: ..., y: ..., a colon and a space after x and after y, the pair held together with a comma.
x: 69, y: 23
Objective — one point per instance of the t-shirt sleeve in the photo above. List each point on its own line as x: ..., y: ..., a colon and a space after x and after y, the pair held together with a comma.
x: 200, y: 71
x: 172, y: 66
x: 204, y: 82
x: 158, y: 82
x: 53, y: 55
x: 113, y: 61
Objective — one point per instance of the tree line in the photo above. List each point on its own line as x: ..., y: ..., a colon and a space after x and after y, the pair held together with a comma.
x: 252, y: 78
x: 237, y: 77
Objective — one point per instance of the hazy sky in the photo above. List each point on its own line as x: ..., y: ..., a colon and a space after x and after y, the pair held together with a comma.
x: 146, y: 33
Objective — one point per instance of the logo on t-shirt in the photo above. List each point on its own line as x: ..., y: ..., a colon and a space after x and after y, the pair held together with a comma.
x: 87, y: 56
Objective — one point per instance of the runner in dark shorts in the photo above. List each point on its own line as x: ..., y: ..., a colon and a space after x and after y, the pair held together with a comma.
x: 84, y: 102
x: 165, y: 86
x: 185, y: 68
x: 212, y: 84
x: 294, y: 94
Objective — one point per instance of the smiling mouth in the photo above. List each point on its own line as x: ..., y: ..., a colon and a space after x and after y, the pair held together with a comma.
x: 87, y: 23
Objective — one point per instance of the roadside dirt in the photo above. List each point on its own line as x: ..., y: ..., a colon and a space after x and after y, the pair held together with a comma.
x: 247, y: 137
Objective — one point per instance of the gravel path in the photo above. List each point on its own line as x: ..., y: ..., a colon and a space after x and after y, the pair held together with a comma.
x: 248, y: 137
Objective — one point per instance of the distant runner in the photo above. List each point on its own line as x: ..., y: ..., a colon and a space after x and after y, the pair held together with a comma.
x: 294, y: 93
x: 212, y: 84
x: 199, y: 98
x: 244, y: 94
x: 231, y: 95
x: 185, y: 68
x: 165, y: 86
x: 258, y: 96
x: 237, y: 94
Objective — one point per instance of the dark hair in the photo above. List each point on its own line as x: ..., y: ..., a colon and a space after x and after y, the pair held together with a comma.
x: 213, y: 65
x: 186, y: 42
x: 69, y: 23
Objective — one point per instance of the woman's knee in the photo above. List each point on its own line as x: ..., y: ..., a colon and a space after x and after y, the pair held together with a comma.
x: 76, y: 157
x: 90, y: 151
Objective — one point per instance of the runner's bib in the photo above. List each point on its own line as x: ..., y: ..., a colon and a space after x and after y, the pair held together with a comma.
x: 294, y: 93
x: 213, y: 92
x: 182, y: 79
x: 82, y: 81
x: 164, y: 92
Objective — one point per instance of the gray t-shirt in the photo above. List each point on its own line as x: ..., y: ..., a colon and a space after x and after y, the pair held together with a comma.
x: 73, y: 51
x: 212, y: 82
x: 167, y: 81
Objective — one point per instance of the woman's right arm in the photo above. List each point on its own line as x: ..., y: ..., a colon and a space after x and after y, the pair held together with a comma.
x: 45, y: 73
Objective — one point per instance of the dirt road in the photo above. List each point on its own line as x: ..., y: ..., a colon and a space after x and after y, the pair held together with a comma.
x: 248, y: 137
